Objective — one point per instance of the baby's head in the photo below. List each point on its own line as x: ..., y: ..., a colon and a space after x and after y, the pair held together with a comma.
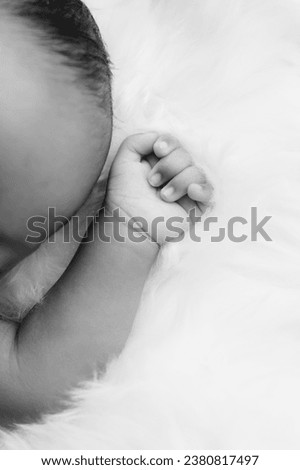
x: 55, y: 114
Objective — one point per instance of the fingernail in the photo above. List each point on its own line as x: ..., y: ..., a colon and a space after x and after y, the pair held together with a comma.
x: 167, y: 193
x: 163, y: 145
x: 155, y: 179
x: 198, y: 189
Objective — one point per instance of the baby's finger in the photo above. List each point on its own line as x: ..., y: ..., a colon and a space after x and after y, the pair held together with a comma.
x: 178, y: 186
x: 151, y: 160
x: 188, y: 205
x: 170, y: 166
x: 200, y: 193
x: 165, y: 144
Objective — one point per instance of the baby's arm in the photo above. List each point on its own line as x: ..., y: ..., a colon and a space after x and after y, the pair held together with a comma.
x: 25, y: 286
x: 84, y: 320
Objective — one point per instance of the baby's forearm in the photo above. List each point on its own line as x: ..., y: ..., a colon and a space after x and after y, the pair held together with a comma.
x: 84, y: 321
x: 40, y: 271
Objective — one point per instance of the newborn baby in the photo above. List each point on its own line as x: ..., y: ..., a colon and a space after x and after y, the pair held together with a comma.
x: 56, y: 126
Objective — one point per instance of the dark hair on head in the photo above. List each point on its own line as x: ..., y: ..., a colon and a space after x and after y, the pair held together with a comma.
x: 70, y: 30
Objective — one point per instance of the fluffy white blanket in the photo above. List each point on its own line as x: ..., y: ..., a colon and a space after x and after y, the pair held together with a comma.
x: 214, y: 357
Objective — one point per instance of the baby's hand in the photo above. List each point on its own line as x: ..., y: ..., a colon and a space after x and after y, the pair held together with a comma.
x: 177, y: 174
x: 155, y: 179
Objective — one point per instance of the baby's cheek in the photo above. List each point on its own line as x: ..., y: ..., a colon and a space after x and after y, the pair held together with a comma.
x: 41, y: 177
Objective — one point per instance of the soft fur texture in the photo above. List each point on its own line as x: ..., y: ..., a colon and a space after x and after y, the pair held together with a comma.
x: 214, y: 357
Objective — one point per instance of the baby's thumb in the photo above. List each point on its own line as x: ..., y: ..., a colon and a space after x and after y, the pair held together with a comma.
x: 137, y: 146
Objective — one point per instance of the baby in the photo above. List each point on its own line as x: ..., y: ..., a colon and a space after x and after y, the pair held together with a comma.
x: 55, y: 134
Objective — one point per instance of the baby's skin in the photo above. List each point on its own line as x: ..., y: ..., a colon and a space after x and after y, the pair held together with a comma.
x: 86, y: 317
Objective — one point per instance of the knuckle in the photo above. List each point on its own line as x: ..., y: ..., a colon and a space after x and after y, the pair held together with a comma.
x: 128, y: 141
x: 162, y: 169
x: 169, y: 171
x: 186, y: 157
x: 165, y: 165
x: 192, y: 171
x: 131, y: 139
x: 199, y: 173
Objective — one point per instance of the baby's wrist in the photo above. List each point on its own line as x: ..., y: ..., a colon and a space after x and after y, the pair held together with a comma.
x: 118, y: 227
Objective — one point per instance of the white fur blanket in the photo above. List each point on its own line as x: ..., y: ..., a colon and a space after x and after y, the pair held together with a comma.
x: 214, y: 357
